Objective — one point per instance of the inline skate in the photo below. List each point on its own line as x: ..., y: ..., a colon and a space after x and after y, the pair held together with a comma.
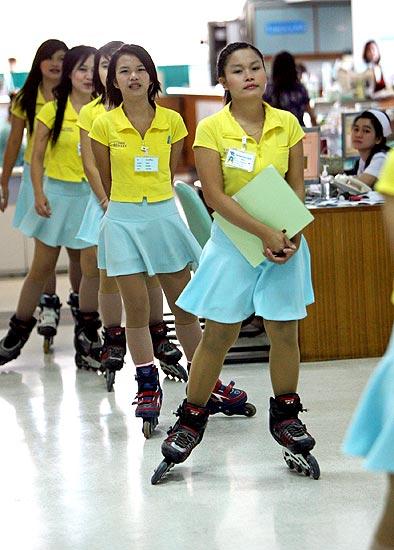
x: 87, y: 341
x: 113, y: 352
x: 291, y: 433
x: 186, y: 434
x: 48, y: 318
x: 229, y: 401
x: 148, y: 399
x: 167, y: 353
x: 15, y: 339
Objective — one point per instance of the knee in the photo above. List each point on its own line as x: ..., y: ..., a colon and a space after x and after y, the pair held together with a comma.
x: 184, y: 318
x: 220, y: 336
x: 137, y: 313
x: 282, y: 332
x: 108, y: 285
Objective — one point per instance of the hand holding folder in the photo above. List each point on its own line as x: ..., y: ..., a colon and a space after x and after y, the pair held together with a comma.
x: 271, y: 200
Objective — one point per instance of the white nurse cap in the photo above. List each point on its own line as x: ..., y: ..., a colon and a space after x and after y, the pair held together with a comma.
x: 383, y: 119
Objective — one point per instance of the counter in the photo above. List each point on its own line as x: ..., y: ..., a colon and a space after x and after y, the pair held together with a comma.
x: 352, y: 277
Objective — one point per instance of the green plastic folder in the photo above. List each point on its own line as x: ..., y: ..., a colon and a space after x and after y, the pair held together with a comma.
x: 271, y: 200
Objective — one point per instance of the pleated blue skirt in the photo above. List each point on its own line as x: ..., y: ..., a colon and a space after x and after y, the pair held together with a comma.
x: 25, y: 197
x: 145, y: 238
x: 68, y: 202
x: 371, y: 432
x: 227, y: 289
x: 90, y: 226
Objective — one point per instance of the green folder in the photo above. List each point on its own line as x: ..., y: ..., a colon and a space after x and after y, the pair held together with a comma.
x: 271, y: 200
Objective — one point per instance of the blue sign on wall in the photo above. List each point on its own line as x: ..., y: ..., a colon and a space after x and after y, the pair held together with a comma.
x: 286, y: 27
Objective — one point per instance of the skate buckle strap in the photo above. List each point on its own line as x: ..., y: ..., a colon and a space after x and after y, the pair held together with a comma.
x: 146, y: 396
x: 227, y: 389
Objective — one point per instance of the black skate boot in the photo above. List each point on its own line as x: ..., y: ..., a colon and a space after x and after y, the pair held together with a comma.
x: 48, y: 318
x: 291, y: 433
x: 87, y: 341
x: 15, y: 339
x: 113, y: 352
x: 148, y: 398
x: 167, y: 353
x: 73, y: 302
x: 182, y: 438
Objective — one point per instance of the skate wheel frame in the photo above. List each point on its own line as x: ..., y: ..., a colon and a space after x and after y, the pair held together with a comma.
x: 161, y: 471
x: 47, y: 344
x: 110, y: 377
x: 174, y: 372
x: 303, y: 464
x: 148, y: 426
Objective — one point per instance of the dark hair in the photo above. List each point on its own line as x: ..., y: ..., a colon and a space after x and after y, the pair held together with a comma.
x: 378, y: 147
x: 106, y: 51
x: 114, y: 95
x: 284, y: 72
x: 27, y: 95
x: 75, y: 56
x: 223, y: 59
x: 367, y: 44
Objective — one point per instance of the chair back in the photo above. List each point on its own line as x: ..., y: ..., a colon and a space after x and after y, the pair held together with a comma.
x: 197, y: 216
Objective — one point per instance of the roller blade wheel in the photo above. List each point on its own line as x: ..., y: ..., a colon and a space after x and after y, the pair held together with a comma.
x: 248, y: 409
x: 148, y: 426
x: 161, y: 471
x: 110, y: 378
x: 47, y: 344
x: 305, y: 464
x: 84, y: 364
x: 174, y: 372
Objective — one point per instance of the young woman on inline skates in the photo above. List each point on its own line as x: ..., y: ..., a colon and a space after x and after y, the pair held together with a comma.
x: 226, y: 288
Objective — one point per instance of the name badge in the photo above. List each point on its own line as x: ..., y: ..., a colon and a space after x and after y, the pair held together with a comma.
x: 146, y: 164
x: 240, y: 159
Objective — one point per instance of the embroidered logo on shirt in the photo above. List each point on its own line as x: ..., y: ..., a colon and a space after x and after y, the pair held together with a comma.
x: 118, y: 144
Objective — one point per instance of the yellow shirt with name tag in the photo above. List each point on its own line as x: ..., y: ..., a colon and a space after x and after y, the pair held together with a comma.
x: 128, y: 149
x: 89, y: 113
x: 221, y: 132
x: 385, y: 184
x: 63, y: 160
x: 17, y: 111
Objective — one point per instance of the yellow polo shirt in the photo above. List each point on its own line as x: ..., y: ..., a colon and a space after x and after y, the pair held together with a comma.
x: 114, y: 130
x: 222, y: 132
x: 385, y: 183
x: 17, y: 111
x: 89, y: 113
x: 63, y: 160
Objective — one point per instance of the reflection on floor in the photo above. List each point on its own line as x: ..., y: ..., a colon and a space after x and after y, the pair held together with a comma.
x: 75, y: 467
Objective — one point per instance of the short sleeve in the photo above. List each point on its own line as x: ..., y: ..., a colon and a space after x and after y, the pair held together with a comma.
x: 47, y: 114
x: 206, y: 136
x: 99, y: 130
x: 179, y: 130
x: 85, y: 118
x: 17, y: 110
x: 385, y: 182
x: 375, y: 166
x: 296, y: 133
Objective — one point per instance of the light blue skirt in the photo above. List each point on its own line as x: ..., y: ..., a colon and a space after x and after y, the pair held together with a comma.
x: 371, y: 432
x: 25, y: 197
x: 68, y: 202
x: 90, y: 226
x: 227, y: 289
x: 145, y: 238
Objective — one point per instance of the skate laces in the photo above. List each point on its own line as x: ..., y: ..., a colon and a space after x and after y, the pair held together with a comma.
x: 183, y: 438
x: 294, y: 427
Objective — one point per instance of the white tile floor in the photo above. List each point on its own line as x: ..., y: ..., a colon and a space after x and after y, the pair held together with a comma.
x: 75, y: 467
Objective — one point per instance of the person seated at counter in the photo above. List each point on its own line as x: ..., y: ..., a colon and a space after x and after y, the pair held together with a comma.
x: 285, y: 90
x: 369, y: 132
